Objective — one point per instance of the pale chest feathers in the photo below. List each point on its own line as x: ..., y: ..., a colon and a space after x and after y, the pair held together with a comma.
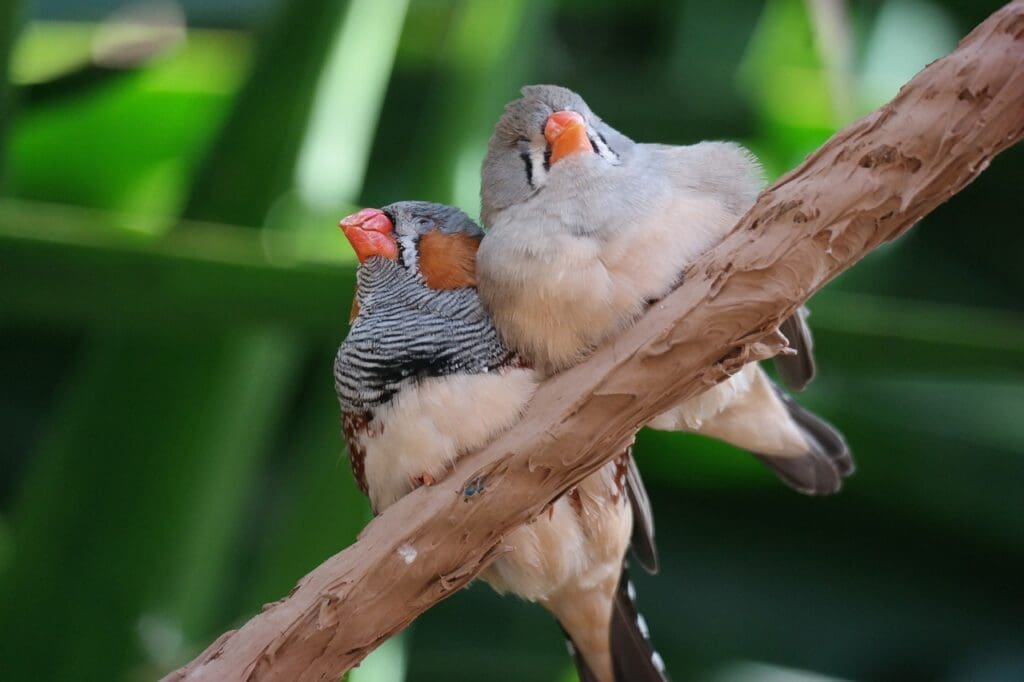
x: 429, y: 423
x: 578, y: 543
x: 555, y: 293
x: 743, y: 410
x: 691, y: 414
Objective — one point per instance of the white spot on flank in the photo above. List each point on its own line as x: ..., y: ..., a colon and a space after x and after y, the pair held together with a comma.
x: 408, y: 553
x: 657, y: 661
x: 641, y: 624
x: 630, y: 591
x: 570, y: 648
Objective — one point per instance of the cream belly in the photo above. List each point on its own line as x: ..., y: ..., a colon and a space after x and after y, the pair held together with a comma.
x: 743, y: 411
x: 578, y: 543
x: 431, y: 422
x: 556, y: 295
x: 557, y: 289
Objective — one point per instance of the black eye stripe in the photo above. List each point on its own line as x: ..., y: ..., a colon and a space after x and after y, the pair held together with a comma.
x: 593, y: 145
x: 547, y: 158
x: 525, y: 156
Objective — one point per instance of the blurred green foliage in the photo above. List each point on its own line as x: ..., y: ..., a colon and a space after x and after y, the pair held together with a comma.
x: 172, y: 289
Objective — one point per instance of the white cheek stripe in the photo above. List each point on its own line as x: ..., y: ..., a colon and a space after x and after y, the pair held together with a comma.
x: 538, y: 173
x: 410, y: 255
x: 603, y: 149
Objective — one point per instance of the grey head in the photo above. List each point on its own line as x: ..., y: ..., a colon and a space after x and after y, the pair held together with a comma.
x: 417, y: 313
x: 520, y: 155
x: 395, y: 238
x: 414, y: 220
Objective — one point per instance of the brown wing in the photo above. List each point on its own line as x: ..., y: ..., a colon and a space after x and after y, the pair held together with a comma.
x: 354, y: 426
x: 796, y: 371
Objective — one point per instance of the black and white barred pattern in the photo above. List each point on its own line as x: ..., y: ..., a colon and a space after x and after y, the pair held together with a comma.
x: 406, y: 331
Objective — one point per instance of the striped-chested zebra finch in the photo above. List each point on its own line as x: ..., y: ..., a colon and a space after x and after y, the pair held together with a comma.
x: 423, y: 378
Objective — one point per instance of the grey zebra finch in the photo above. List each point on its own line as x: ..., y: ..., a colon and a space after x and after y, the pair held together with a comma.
x: 585, y: 228
x: 423, y: 378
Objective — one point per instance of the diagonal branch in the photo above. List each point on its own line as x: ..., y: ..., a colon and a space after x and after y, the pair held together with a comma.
x: 868, y: 184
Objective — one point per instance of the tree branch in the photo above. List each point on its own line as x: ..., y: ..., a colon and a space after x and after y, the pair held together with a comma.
x: 868, y: 184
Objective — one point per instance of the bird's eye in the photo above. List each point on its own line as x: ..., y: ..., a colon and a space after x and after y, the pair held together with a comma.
x: 424, y: 223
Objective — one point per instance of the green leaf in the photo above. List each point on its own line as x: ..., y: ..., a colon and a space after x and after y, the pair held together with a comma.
x: 314, y: 509
x: 125, y: 517
x: 160, y: 442
x: 10, y: 11
x: 782, y: 73
x: 480, y: 66
x: 253, y: 161
x: 77, y: 148
x: 348, y: 101
x: 76, y: 267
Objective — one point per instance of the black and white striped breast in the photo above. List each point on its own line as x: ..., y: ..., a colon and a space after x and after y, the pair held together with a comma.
x: 406, y: 331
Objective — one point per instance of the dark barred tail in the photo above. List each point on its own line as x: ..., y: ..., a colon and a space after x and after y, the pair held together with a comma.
x: 633, y: 656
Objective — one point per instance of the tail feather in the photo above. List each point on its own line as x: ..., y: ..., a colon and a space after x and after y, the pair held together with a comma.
x: 821, y: 471
x: 633, y: 655
x: 642, y: 540
x: 796, y: 371
x: 827, y: 437
x: 633, y: 658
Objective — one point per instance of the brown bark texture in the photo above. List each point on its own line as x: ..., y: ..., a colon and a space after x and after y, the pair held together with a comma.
x: 867, y: 185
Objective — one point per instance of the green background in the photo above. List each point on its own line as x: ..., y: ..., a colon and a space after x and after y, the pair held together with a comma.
x: 173, y: 287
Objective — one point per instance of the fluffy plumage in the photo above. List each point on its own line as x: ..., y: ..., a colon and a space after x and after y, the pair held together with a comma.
x: 577, y: 249
x: 423, y: 378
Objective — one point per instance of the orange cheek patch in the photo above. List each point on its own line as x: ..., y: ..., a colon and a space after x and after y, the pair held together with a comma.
x: 448, y: 261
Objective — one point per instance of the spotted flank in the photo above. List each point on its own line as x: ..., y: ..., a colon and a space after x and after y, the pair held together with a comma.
x: 355, y: 426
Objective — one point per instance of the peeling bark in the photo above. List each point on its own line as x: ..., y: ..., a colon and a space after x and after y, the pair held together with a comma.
x: 867, y: 185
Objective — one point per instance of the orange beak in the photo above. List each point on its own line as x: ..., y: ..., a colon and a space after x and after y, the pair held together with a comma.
x: 566, y: 132
x: 370, y: 233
